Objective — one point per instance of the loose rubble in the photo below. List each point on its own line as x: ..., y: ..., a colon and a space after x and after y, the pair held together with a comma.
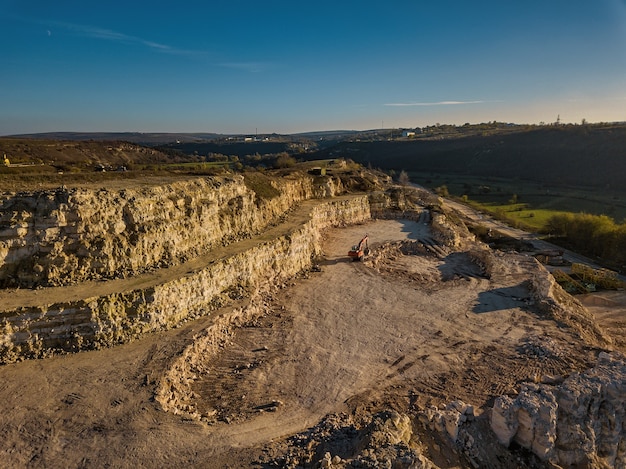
x: 386, y: 439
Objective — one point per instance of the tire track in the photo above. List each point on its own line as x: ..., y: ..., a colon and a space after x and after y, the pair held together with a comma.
x: 234, y: 386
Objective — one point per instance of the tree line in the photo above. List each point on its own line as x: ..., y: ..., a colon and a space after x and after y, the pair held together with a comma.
x: 594, y: 235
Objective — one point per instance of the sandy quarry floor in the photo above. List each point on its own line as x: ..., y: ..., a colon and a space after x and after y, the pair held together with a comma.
x: 397, y: 332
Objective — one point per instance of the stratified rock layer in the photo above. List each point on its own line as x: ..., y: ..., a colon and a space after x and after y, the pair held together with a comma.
x: 68, y: 236
x: 109, y: 319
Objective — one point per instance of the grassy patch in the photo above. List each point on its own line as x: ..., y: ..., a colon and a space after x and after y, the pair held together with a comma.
x: 260, y: 184
x: 541, y: 200
x: 517, y: 215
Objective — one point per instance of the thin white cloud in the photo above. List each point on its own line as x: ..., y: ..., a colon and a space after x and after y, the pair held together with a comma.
x: 438, y: 103
x: 115, y: 36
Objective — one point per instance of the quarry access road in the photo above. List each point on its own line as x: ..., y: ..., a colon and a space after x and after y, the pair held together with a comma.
x: 516, y: 233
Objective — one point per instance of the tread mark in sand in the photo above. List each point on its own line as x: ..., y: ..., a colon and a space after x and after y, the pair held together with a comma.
x: 117, y: 402
x: 403, y: 368
x: 402, y: 357
x: 406, y: 367
x: 71, y: 398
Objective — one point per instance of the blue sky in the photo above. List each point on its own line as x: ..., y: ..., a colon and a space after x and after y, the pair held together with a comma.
x: 238, y: 66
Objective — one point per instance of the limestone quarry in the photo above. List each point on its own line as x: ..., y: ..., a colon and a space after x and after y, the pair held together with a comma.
x: 218, y: 322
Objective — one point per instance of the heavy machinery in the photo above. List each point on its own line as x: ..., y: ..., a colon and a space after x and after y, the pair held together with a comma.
x: 359, y: 251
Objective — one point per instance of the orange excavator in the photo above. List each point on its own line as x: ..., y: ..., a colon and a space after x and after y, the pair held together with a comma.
x: 359, y: 251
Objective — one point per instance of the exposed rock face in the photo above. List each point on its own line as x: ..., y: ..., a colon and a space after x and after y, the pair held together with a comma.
x: 453, y: 422
x: 118, y: 317
x: 68, y: 236
x: 581, y: 422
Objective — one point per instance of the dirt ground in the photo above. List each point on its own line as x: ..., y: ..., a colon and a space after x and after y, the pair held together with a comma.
x: 404, y: 330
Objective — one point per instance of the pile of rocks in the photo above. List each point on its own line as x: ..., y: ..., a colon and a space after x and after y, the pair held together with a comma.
x: 385, y: 439
x: 453, y: 421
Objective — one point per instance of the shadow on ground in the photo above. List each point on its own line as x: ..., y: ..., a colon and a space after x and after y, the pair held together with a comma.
x: 500, y: 299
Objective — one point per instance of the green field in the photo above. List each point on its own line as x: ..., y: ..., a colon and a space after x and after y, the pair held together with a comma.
x: 518, y: 215
x: 526, y: 203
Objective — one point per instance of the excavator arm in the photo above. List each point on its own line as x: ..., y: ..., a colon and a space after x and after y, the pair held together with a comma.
x: 359, y: 251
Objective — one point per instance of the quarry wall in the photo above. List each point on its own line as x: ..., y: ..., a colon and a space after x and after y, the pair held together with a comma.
x: 555, y: 303
x: 35, y: 331
x: 67, y: 236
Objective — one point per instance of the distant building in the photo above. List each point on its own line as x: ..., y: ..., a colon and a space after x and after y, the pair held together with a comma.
x: 408, y: 133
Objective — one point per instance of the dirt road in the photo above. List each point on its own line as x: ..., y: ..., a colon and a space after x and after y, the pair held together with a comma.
x: 538, y: 244
x: 402, y: 330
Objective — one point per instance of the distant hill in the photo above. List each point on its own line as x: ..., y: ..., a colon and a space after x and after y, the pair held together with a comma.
x: 142, y: 138
x: 592, y: 155
x: 329, y: 134
x: 187, y: 143
x: 83, y: 151
x: 584, y: 155
x: 64, y: 154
